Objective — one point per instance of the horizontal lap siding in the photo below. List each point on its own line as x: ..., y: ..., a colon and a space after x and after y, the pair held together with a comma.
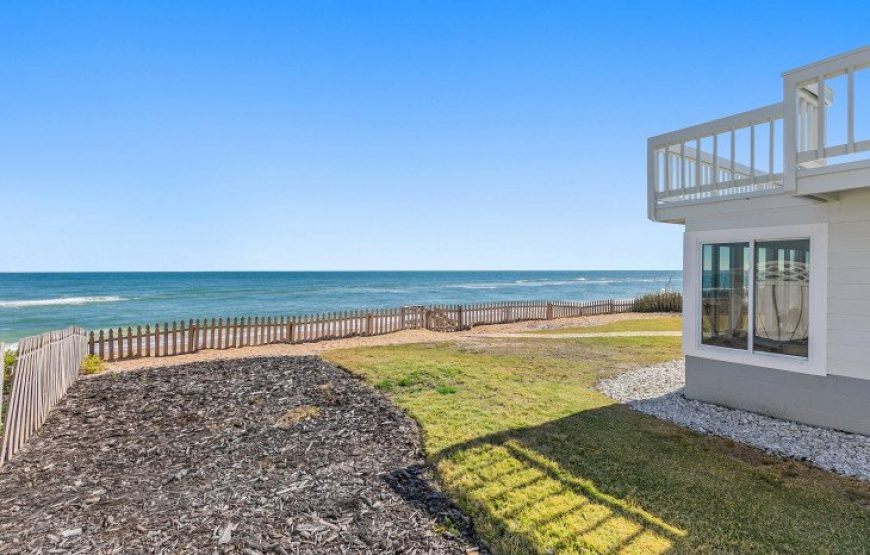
x: 848, y: 269
x: 832, y: 401
x: 849, y: 287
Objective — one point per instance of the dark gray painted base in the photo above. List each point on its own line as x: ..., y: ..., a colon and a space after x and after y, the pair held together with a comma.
x: 829, y: 401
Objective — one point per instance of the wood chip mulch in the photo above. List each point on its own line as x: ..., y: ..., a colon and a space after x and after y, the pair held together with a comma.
x: 268, y: 455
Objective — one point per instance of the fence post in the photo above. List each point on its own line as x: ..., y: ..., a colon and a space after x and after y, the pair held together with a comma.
x: 610, y: 306
x: 368, y: 323
x: 549, y: 311
x: 459, y: 317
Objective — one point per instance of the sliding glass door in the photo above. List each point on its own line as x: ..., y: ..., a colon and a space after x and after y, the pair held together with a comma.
x: 758, y: 290
x: 725, y: 295
x: 782, y: 280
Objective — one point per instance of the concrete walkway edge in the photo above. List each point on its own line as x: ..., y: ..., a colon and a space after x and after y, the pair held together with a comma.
x: 579, y: 335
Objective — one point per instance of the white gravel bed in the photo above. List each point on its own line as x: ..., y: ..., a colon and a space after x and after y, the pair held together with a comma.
x: 658, y: 391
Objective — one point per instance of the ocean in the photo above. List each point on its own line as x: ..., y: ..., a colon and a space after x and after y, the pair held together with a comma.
x: 32, y: 303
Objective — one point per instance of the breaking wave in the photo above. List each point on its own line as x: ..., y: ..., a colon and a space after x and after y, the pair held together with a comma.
x: 60, y: 301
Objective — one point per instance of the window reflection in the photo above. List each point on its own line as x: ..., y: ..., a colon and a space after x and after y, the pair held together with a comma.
x: 725, y: 295
x: 782, y: 282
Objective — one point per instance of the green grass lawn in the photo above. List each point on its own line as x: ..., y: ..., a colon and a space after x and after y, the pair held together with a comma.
x: 544, y: 464
x: 664, y: 323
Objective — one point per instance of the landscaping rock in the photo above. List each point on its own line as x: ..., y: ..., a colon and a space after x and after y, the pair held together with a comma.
x: 658, y: 391
x: 268, y: 455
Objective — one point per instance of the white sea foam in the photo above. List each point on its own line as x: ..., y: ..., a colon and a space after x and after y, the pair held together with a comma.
x: 546, y: 283
x: 473, y: 286
x: 525, y: 283
x: 60, y: 301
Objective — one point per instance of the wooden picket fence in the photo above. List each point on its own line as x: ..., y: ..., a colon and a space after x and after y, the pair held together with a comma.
x: 47, y: 365
x: 180, y: 337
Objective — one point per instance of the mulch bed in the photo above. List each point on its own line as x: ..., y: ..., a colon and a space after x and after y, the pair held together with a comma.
x: 269, y: 455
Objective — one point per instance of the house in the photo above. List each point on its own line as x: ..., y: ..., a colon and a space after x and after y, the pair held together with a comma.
x: 776, y: 207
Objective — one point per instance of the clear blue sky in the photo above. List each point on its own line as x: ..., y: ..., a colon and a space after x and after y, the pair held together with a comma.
x: 320, y: 135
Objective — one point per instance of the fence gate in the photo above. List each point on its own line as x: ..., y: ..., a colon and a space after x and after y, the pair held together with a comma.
x: 413, y: 317
x: 441, y: 319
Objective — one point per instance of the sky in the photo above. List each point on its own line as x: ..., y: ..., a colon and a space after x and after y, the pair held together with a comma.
x: 369, y: 135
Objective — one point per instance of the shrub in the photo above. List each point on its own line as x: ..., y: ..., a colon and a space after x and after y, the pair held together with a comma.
x: 9, y: 358
x: 663, y: 301
x: 93, y: 365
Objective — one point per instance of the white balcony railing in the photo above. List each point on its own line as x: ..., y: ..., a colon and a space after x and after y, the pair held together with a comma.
x: 737, y: 155
x: 823, y: 136
x: 822, y: 125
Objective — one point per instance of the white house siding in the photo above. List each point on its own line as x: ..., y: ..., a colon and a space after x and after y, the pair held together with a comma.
x: 848, y: 333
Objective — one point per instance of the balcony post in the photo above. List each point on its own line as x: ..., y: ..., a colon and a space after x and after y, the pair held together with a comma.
x: 789, y: 134
x: 716, y: 161
x: 821, y: 120
x: 850, y: 110
x: 652, y: 176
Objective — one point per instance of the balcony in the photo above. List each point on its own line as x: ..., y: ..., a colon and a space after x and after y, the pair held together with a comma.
x: 813, y: 144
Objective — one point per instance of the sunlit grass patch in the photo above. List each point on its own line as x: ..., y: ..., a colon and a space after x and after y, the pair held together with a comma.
x: 520, y: 494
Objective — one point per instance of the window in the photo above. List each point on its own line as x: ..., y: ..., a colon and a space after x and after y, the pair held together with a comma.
x: 725, y: 295
x: 780, y: 296
x: 782, y: 291
x: 758, y: 296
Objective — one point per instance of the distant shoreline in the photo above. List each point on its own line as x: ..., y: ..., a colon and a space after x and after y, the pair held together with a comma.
x: 32, y: 303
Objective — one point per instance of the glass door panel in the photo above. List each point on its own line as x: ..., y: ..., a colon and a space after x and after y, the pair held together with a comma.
x: 725, y: 295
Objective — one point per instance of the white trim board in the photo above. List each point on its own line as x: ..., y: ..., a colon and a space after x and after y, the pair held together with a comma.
x: 816, y: 363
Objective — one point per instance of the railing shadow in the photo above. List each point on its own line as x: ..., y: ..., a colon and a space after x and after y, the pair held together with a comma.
x: 415, y: 484
x: 533, y: 493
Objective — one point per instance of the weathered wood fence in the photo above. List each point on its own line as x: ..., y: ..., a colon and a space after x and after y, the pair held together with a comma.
x: 47, y: 365
x: 180, y: 337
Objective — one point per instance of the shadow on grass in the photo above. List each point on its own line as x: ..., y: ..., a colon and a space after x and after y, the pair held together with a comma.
x: 525, y: 488
x: 415, y: 485
x: 609, y: 480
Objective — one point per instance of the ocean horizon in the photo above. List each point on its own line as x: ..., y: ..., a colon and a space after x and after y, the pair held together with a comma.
x: 32, y: 303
